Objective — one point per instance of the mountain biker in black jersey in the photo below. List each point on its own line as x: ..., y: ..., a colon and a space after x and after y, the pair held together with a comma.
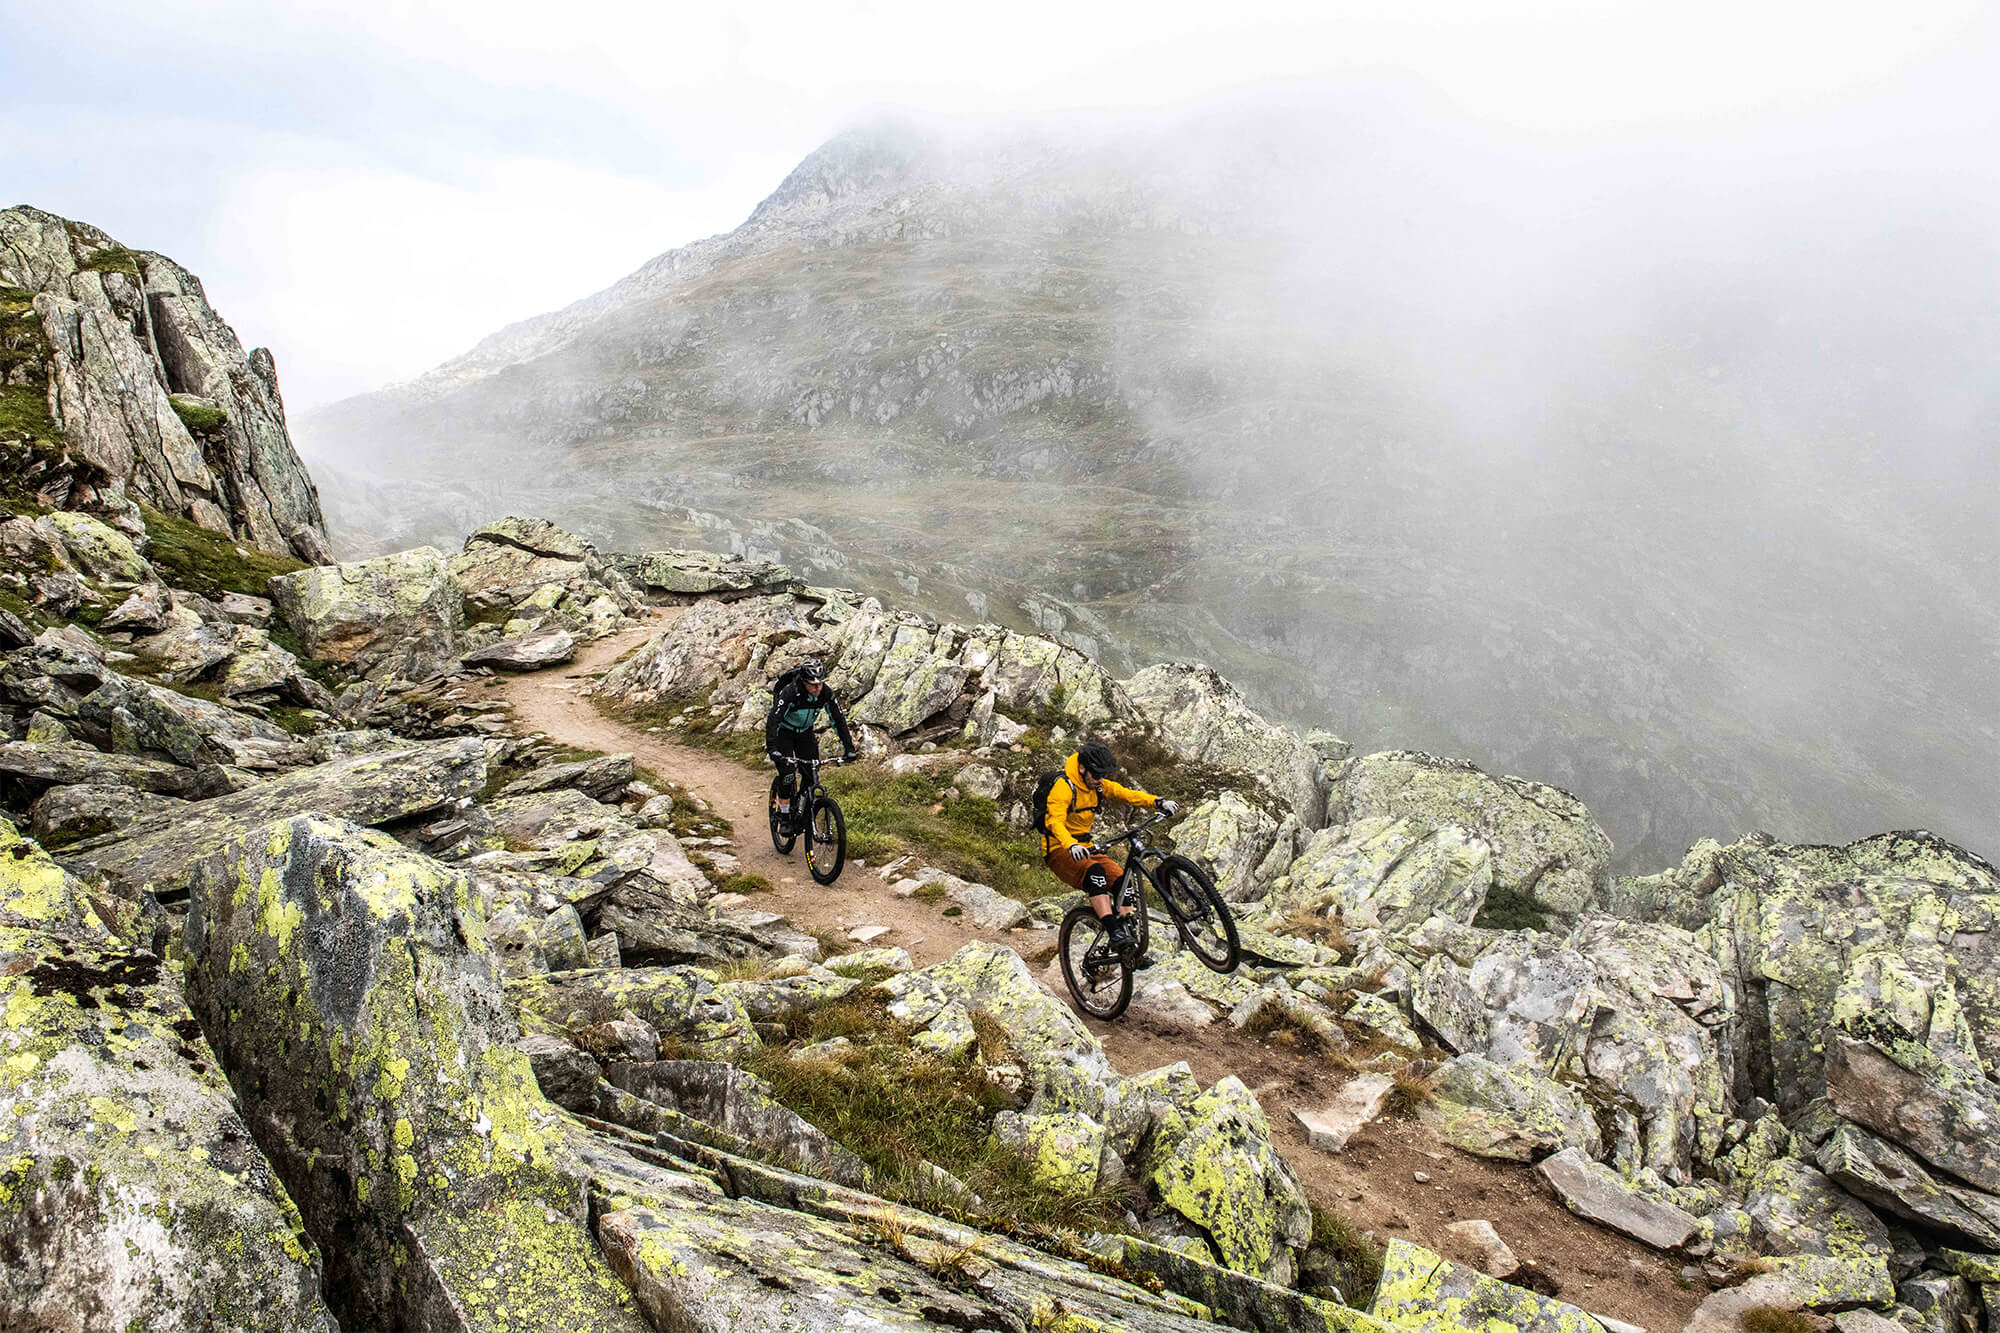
x: 790, y: 728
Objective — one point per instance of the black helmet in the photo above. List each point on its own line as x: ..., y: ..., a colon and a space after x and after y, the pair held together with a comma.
x: 1096, y: 759
x: 812, y: 670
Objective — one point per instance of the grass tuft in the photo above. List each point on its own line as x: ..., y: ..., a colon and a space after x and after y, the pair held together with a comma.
x: 1412, y: 1090
x: 1327, y: 931
x: 1342, y: 1255
x: 1772, y: 1319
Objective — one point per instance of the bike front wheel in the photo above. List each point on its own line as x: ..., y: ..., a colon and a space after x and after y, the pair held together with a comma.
x: 1099, y: 981
x: 826, y: 841
x: 782, y: 835
x: 1206, y: 926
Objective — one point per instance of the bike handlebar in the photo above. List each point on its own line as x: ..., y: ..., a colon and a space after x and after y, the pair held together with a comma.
x: 1128, y: 835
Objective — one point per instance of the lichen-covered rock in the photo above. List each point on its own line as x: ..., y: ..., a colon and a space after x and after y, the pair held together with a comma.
x: 131, y: 1192
x: 1420, y: 1289
x: 742, y: 1105
x: 1390, y: 873
x: 66, y: 764
x: 1062, y: 1151
x: 717, y: 650
x: 1596, y: 1192
x: 1203, y: 718
x: 534, y: 651
x: 1235, y: 839
x: 1879, y: 1173
x: 69, y: 814
x: 122, y: 333
x: 543, y: 583
x: 1225, y: 1177
x: 706, y: 574
x: 1827, y: 1241
x: 601, y: 779
x: 1892, y: 938
x: 98, y: 549
x: 157, y: 854
x: 1545, y: 843
x: 1063, y: 1060
x: 682, y: 1002
x: 396, y: 615
x: 1944, y: 1110
x: 352, y: 994
x: 1508, y: 1111
x: 1638, y: 1012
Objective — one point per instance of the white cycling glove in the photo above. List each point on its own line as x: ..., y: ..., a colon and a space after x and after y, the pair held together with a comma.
x: 1077, y: 851
x: 1169, y: 809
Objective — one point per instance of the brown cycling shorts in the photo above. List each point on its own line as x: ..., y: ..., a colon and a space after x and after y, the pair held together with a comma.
x: 1072, y: 872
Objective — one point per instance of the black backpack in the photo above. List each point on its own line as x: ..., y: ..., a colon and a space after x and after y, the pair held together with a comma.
x: 1044, y: 786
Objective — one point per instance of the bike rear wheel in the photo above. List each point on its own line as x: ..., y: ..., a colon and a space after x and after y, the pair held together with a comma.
x: 1203, y: 919
x: 1099, y: 981
x: 782, y: 837
x: 826, y: 841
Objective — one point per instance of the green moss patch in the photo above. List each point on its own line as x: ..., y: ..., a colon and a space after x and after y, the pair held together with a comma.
x: 189, y: 556
x: 111, y: 259
x: 1509, y: 908
x: 199, y: 418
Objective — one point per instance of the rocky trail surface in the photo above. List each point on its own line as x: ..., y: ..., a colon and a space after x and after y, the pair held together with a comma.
x: 1394, y: 1178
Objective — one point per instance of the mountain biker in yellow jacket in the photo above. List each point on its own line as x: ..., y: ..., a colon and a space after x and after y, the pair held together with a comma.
x: 1071, y: 814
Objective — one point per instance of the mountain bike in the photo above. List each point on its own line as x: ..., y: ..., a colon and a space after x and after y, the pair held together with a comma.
x: 824, y: 827
x: 1099, y: 977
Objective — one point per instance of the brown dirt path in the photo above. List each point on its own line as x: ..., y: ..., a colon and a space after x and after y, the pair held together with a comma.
x: 1372, y: 1182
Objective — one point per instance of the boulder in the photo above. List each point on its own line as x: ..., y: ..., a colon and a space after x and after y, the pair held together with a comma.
x: 1420, y: 1289
x: 1361, y: 1100
x: 98, y: 549
x: 706, y: 574
x: 720, y: 651
x: 1389, y: 873
x: 158, y: 853
x: 1508, y: 1111
x: 1490, y: 1254
x: 531, y: 575
x: 1641, y: 1014
x: 132, y: 1191
x: 1224, y: 1176
x: 1063, y: 1061
x: 1545, y: 844
x: 988, y: 908
x: 147, y: 610
x: 1062, y: 1150
x: 245, y: 609
x: 1946, y: 1112
x: 602, y: 778
x: 1891, y: 938
x: 1827, y: 1243
x: 1881, y: 1174
x: 396, y: 615
x: 65, y: 815
x: 1597, y: 1193
x: 70, y: 764
x: 1202, y: 718
x: 529, y: 652
x: 378, y: 1069
x: 742, y: 1105
x: 1234, y: 839
x: 681, y: 1002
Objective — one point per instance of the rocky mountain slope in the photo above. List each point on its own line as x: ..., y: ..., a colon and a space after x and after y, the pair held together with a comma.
x: 329, y: 999
x: 120, y: 386
x: 1132, y: 394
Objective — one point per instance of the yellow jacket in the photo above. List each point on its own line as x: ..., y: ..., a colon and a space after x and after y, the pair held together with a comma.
x: 1073, y: 807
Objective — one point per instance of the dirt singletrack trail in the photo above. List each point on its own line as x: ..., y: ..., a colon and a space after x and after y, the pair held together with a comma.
x: 1373, y: 1182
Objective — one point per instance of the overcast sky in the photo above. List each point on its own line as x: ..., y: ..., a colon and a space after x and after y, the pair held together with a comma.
x: 370, y: 188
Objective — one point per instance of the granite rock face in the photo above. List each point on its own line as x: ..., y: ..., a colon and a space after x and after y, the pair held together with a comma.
x: 151, y: 394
